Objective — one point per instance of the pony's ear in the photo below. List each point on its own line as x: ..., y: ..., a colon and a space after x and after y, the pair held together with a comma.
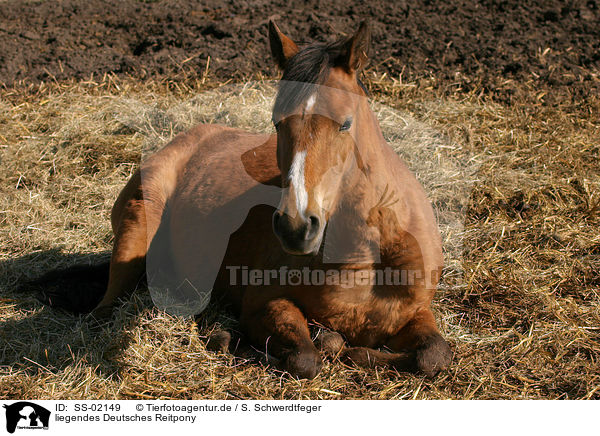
x: 355, y: 50
x: 282, y: 47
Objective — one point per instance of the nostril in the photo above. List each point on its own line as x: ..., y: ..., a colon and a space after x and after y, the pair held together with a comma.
x: 312, y: 227
x: 276, y: 218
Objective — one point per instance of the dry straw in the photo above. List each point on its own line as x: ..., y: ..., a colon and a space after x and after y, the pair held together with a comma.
x: 520, y: 309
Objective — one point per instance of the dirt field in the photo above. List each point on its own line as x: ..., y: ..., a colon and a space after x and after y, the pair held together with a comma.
x: 511, y: 87
x: 491, y: 46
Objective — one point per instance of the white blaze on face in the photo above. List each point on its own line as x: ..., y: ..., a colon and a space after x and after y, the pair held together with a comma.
x: 296, y: 178
x: 310, y: 102
x: 296, y: 174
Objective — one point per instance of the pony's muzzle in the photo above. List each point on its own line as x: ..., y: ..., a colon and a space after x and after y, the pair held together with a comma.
x: 298, y: 235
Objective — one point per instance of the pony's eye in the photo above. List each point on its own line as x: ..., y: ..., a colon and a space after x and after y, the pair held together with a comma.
x: 347, y: 124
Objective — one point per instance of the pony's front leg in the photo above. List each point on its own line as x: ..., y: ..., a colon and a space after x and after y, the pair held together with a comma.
x: 280, y: 329
x: 421, y: 335
x: 418, y: 347
x: 370, y: 358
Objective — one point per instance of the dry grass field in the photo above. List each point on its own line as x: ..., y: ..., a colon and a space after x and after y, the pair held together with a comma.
x: 519, y: 305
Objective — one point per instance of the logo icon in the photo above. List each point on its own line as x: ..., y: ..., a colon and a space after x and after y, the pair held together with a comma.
x: 26, y: 415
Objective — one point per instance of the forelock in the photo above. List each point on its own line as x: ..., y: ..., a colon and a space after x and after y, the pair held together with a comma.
x: 304, y: 72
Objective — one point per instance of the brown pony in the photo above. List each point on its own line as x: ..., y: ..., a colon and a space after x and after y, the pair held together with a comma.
x: 325, y: 197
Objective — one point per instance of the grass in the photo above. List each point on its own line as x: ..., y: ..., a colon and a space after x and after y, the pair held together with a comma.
x: 520, y: 304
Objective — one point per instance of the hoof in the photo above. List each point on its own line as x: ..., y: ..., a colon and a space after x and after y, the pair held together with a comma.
x: 434, y: 356
x: 219, y: 341
x: 304, y: 364
x: 329, y: 343
x: 102, y: 313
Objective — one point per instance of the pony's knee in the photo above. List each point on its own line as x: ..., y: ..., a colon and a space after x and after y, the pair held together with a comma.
x: 433, y: 356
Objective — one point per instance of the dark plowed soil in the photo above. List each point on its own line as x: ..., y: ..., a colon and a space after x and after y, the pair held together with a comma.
x: 554, y: 44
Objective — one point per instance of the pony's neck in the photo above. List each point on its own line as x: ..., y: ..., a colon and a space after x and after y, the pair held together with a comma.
x: 361, y: 190
x: 370, y: 145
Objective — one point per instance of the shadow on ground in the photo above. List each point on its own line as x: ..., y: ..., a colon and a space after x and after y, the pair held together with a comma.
x: 36, y: 337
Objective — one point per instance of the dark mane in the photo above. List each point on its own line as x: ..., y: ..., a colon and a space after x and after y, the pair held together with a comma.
x: 305, y: 71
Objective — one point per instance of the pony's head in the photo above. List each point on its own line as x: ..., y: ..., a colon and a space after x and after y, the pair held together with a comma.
x: 316, y: 114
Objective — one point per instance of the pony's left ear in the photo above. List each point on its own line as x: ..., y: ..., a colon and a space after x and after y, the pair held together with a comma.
x: 282, y: 47
x: 356, y: 49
